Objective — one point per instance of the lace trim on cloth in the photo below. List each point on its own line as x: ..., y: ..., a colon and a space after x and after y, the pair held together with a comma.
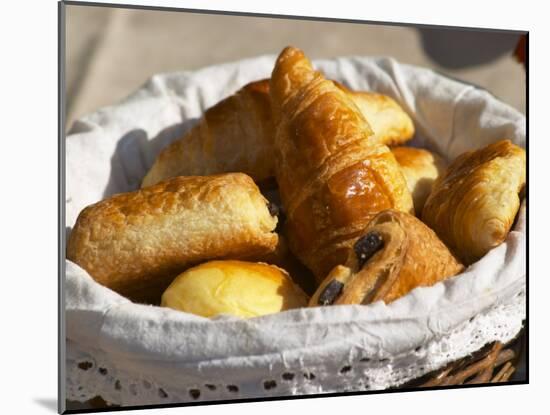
x: 92, y: 373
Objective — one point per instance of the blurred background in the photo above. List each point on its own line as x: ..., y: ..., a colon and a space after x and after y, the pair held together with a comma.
x: 111, y: 52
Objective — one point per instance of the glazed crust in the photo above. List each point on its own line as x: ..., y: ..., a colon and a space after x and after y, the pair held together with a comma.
x: 473, y: 205
x: 412, y: 256
x: 135, y: 243
x: 237, y: 134
x: 333, y: 176
x: 420, y: 168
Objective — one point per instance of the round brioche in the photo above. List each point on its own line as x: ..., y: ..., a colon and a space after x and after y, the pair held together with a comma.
x: 238, y: 288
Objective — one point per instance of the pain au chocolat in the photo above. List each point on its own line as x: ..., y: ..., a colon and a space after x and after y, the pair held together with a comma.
x: 136, y: 243
x: 395, y: 254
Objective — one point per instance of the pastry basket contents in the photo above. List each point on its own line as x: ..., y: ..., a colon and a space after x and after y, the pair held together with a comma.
x: 237, y: 288
x: 304, y: 221
x: 136, y: 243
x: 473, y: 205
x: 394, y: 254
x: 332, y: 176
x: 237, y: 134
x: 420, y: 168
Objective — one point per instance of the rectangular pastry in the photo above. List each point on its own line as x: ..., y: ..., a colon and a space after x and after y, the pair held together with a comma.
x: 136, y: 243
x: 395, y: 254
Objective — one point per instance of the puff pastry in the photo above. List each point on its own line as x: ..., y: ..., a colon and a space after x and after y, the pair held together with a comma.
x: 237, y: 135
x: 136, y: 243
x: 239, y: 288
x: 420, y: 168
x: 391, y: 125
x: 395, y: 254
x: 473, y: 205
x: 332, y: 176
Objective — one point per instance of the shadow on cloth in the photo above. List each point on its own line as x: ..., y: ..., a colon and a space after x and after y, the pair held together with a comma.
x: 135, y: 153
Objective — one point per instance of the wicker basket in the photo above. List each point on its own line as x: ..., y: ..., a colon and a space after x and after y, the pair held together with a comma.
x: 491, y: 364
x: 494, y: 363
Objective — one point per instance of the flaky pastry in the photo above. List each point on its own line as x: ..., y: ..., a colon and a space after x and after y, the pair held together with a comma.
x: 136, y: 243
x: 236, y: 135
x: 420, y: 168
x: 473, y: 205
x: 395, y: 254
x: 333, y: 176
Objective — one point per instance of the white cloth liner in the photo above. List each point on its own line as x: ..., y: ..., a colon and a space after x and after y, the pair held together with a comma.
x: 109, y: 152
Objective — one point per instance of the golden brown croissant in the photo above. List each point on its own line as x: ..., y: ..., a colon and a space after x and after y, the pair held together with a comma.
x: 420, y: 168
x: 332, y: 176
x: 237, y: 135
x: 136, y: 243
x: 395, y: 254
x: 473, y: 205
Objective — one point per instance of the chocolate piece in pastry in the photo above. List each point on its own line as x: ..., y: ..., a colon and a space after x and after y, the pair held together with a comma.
x: 420, y: 168
x: 473, y: 205
x: 332, y: 176
x: 237, y: 134
x: 136, y: 243
x: 395, y: 254
x: 239, y: 288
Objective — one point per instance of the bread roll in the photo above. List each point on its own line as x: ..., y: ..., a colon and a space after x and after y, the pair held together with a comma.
x: 239, y: 288
x: 136, y: 243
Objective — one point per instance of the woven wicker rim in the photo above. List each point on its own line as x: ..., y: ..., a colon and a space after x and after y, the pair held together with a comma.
x: 493, y: 363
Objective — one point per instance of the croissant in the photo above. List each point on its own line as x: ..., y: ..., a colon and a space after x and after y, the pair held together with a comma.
x: 333, y: 176
x: 395, y: 254
x: 237, y: 135
x: 420, y: 168
x: 234, y: 135
x: 391, y: 125
x: 473, y: 205
x: 136, y: 243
